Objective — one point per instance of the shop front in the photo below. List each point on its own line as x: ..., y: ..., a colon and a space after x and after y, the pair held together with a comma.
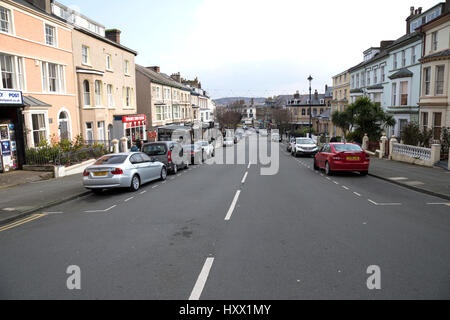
x: 12, y: 143
x: 133, y: 127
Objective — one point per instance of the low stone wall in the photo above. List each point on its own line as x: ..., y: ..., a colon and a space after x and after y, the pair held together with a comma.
x: 61, y: 171
x: 38, y: 168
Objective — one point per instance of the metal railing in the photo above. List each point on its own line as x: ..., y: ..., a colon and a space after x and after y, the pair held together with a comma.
x: 412, y: 151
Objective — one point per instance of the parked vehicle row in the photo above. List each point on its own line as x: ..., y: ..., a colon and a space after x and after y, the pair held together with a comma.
x: 132, y: 170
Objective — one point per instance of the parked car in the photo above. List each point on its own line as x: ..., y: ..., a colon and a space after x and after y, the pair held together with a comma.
x: 342, y: 157
x: 228, y: 142
x: 164, y: 152
x: 196, y: 153
x: 123, y: 170
x: 290, y: 144
x: 304, y: 146
x: 208, y: 149
x: 276, y: 137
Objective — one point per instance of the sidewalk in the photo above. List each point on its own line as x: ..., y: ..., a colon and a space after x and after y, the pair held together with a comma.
x: 20, y: 201
x: 15, y: 178
x: 433, y: 181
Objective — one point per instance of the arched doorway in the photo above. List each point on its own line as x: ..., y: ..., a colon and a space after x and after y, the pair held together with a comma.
x: 63, y: 125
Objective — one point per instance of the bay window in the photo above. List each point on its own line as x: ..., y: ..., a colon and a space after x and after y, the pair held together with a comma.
x: 39, y: 130
x: 440, y: 80
x: 427, y: 81
x: 98, y: 93
x: 86, y: 93
x: 394, y: 94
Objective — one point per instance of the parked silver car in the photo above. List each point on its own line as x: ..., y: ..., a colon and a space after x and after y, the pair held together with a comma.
x: 123, y: 170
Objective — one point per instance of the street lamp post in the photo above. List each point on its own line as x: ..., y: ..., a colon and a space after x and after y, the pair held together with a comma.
x: 310, y: 107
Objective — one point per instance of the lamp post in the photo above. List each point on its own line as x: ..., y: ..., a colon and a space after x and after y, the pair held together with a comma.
x: 310, y: 107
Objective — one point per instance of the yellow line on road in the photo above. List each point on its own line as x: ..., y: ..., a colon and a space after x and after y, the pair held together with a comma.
x: 21, y: 222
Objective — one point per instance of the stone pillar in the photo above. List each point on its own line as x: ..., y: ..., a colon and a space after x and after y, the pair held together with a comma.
x: 124, y: 144
x: 435, y: 154
x: 391, y: 146
x: 383, y: 145
x: 115, y: 144
x: 448, y: 167
x: 365, y: 143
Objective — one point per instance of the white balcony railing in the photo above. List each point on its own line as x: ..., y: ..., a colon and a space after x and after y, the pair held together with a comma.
x: 412, y: 151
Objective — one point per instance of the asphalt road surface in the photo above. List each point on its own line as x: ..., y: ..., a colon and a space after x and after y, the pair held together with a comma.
x: 228, y: 232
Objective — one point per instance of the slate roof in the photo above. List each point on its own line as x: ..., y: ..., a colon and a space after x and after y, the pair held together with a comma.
x: 160, y: 78
x: 30, y: 101
x: 443, y: 53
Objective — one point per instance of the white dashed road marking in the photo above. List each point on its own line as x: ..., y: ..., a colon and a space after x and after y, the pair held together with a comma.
x: 233, y: 205
x: 201, y: 281
x: 129, y: 199
x: 95, y: 211
x: 245, y: 178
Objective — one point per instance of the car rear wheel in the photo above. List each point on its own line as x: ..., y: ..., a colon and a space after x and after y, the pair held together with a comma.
x: 135, y: 183
x: 328, y: 169
x: 175, y: 169
x: 163, y: 174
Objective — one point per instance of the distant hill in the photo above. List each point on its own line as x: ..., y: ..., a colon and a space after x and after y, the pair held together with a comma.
x: 230, y: 100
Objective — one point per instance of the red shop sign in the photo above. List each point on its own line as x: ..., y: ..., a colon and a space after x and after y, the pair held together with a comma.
x: 129, y: 119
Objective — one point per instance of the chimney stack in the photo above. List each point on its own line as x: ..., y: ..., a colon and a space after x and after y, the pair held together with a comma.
x: 419, y: 10
x: 412, y: 11
x: 316, y: 95
x: 176, y: 77
x: 113, y: 35
x: 155, y: 68
x: 45, y: 5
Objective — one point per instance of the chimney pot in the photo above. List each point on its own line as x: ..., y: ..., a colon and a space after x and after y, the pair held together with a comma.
x: 420, y: 10
x: 412, y: 11
x: 113, y: 35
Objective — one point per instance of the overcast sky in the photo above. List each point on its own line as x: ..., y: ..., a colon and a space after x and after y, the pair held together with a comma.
x: 252, y: 47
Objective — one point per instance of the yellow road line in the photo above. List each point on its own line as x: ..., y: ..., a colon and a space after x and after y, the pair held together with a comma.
x: 21, y: 222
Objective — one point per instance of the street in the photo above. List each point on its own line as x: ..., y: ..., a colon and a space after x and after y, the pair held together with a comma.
x: 227, y: 232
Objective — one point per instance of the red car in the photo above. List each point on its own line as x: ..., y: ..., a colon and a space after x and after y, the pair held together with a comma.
x: 348, y: 157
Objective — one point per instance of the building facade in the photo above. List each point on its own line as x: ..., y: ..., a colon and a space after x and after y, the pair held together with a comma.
x: 162, y: 99
x: 299, y: 107
x: 36, y: 58
x: 341, y: 98
x: 105, y: 78
x: 435, y: 93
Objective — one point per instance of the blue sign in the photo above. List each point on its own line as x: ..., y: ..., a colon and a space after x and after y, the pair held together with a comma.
x: 11, y: 97
x: 6, y: 148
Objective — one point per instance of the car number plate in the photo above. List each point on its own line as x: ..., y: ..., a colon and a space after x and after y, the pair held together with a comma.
x: 353, y: 158
x: 100, y: 174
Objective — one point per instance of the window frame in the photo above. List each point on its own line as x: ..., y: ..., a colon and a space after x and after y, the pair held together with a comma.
x: 439, y: 84
x: 86, y: 94
x: 9, y: 21
x: 98, y: 93
x: 88, y: 55
x: 54, y: 36
x: 427, y: 81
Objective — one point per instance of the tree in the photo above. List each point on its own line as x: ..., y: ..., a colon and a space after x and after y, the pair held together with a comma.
x: 226, y: 118
x: 363, y: 117
x: 282, y: 118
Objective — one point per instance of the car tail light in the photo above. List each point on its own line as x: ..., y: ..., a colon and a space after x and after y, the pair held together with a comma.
x: 85, y: 173
x: 169, y: 156
x: 117, y: 171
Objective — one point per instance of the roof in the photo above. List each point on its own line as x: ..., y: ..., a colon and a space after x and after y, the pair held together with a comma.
x: 385, y: 52
x: 444, y: 53
x: 314, y: 102
x: 104, y: 39
x: 402, y: 73
x: 30, y: 101
x: 160, y: 78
